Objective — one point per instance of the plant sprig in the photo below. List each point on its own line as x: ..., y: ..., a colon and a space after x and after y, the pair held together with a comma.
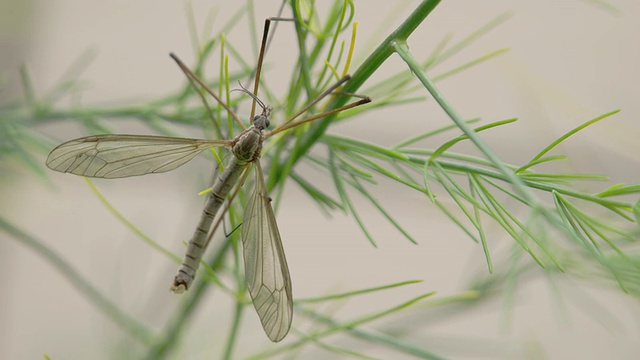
x: 554, y: 224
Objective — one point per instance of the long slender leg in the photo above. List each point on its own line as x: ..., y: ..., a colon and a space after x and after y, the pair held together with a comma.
x: 193, y: 77
x: 309, y: 105
x: 263, y: 49
x: 364, y: 100
x: 256, y: 83
x: 290, y: 123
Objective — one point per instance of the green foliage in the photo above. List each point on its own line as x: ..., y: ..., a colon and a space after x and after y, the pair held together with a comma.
x: 553, y: 223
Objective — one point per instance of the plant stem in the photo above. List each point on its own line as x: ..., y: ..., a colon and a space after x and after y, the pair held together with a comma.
x: 235, y: 327
x: 364, y: 71
x: 139, y: 331
x: 403, y: 50
x: 162, y: 349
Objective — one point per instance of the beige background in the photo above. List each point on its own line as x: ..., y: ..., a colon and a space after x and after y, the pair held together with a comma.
x: 569, y: 62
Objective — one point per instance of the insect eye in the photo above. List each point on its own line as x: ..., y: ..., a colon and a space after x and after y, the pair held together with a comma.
x: 266, y: 123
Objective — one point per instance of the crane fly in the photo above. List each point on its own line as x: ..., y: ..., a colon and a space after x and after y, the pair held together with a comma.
x: 266, y: 271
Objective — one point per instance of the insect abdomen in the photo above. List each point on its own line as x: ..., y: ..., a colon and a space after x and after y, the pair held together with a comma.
x: 196, y: 247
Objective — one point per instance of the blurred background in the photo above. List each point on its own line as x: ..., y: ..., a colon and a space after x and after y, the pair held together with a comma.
x: 569, y: 61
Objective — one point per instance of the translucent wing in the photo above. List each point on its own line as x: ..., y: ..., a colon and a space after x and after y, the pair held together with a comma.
x: 266, y: 270
x: 118, y: 156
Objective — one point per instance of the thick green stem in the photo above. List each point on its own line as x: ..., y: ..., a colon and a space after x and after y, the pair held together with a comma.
x: 364, y: 71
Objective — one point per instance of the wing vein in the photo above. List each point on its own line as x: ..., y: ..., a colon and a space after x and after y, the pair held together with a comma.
x: 266, y: 268
x: 117, y: 156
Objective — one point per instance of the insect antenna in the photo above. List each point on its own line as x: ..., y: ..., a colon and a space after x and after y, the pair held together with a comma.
x: 265, y: 109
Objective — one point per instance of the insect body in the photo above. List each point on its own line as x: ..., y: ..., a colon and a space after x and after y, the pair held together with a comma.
x: 266, y: 272
x: 246, y: 149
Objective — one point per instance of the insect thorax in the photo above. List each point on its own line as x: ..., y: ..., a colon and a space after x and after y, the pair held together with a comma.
x: 248, y: 145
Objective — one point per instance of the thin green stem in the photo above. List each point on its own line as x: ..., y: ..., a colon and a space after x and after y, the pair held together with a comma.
x: 137, y: 330
x: 235, y: 328
x: 148, y: 240
x: 364, y: 71
x: 403, y: 50
x: 171, y: 334
x: 380, y: 338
